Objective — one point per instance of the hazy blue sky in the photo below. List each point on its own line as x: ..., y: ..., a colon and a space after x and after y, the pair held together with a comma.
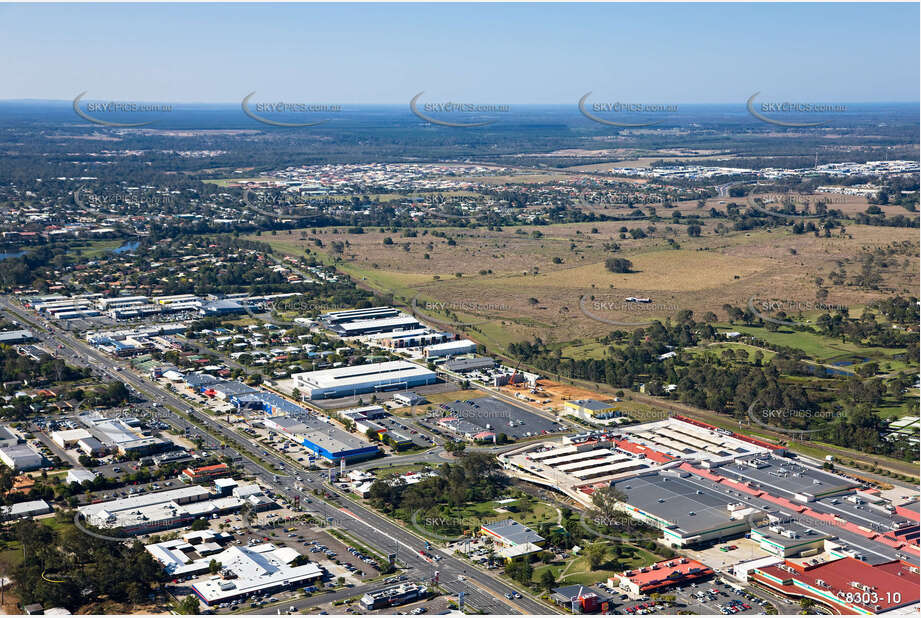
x: 479, y: 53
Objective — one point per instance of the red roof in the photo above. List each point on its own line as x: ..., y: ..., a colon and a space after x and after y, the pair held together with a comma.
x: 639, y: 449
x: 206, y: 470
x: 888, y: 585
x: 737, y: 436
x: 667, y: 573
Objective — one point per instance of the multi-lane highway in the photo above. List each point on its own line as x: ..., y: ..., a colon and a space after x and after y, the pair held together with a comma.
x: 362, y: 523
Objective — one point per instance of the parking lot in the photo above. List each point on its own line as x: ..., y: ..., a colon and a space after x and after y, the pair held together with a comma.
x: 339, y: 558
x: 345, y: 567
x: 712, y: 597
x: 490, y: 414
x: 717, y: 597
x: 398, y: 425
x: 720, y: 557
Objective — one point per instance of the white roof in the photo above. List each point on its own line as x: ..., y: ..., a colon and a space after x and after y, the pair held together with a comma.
x: 199, y: 535
x: 144, y: 500
x: 26, y: 508
x: 117, y: 431
x: 461, y: 344
x: 171, y: 554
x: 361, y: 374
x: 359, y: 325
x: 518, y: 550
x: 245, y: 491
x: 70, y: 435
x: 256, y: 568
x: 286, y: 554
x: 80, y: 475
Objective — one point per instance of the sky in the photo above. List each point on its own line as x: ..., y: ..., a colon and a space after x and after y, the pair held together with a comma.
x: 471, y: 53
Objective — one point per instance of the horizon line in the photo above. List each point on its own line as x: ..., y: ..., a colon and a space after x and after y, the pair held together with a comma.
x: 459, y: 101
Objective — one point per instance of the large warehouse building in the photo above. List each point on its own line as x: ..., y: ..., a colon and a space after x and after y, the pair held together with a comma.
x: 361, y: 379
x: 324, y: 439
x: 21, y: 458
x: 685, y: 508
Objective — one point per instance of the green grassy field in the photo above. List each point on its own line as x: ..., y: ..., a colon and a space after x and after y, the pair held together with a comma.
x: 98, y: 248
x: 576, y: 570
x: 823, y: 349
x: 584, y: 350
x: 525, y: 509
x: 11, y: 551
x: 718, y: 348
x: 386, y: 470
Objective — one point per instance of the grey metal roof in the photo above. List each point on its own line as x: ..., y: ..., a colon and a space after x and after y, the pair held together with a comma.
x: 593, y: 404
x: 804, y: 534
x: 200, y: 379
x: 513, y: 532
x: 15, y: 336
x: 785, y: 478
x: 673, y: 499
x: 861, y: 514
x: 470, y: 364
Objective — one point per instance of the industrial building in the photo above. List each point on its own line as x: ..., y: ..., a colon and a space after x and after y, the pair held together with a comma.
x: 322, y: 438
x: 80, y: 475
x: 592, y: 408
x: 21, y: 510
x: 117, y: 435
x: 383, y: 321
x: 363, y: 413
x: 361, y: 379
x: 221, y: 308
x: 69, y: 438
x: 352, y: 315
x: 104, y: 304
x: 407, y: 338
x: 91, y: 447
x: 12, y: 337
x: 464, y: 365
x: 408, y: 399
x: 226, y: 390
x: 7, y: 437
x: 66, y: 308
x: 450, y: 348
x: 270, y: 403
x: 357, y: 328
x: 21, y: 458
